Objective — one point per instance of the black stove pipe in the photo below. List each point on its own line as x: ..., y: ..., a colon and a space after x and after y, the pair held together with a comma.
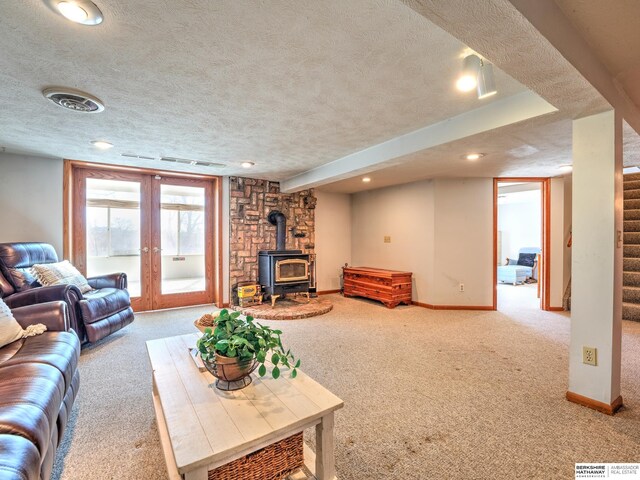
x: 278, y: 219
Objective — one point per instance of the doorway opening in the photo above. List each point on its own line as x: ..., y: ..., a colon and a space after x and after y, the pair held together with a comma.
x: 521, y: 243
x: 157, y: 227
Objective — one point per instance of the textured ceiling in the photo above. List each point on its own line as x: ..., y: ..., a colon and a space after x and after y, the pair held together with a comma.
x: 612, y: 29
x: 292, y: 85
x: 528, y: 149
x: 289, y: 85
x: 497, y: 30
x: 534, y: 148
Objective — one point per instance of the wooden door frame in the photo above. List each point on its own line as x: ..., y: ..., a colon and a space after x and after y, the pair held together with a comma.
x: 70, y: 190
x: 160, y: 300
x: 77, y: 241
x: 544, y: 270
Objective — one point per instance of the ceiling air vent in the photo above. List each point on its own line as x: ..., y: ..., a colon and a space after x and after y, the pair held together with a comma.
x: 133, y: 155
x: 73, y: 100
x: 198, y: 163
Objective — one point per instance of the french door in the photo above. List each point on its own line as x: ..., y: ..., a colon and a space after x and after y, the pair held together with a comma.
x: 157, y: 229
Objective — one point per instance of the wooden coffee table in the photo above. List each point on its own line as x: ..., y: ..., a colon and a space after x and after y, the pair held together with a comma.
x: 202, y: 428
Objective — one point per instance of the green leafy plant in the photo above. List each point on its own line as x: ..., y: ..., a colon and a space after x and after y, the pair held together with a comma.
x: 242, y: 338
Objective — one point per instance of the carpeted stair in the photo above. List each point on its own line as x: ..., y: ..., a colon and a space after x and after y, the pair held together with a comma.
x: 631, y: 275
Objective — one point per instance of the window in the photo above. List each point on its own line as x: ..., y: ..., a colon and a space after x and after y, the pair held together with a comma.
x: 112, y: 232
x: 182, y: 220
x: 113, y: 218
x: 182, y: 232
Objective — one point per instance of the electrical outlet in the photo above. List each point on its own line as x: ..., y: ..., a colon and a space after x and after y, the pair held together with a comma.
x: 387, y: 239
x: 461, y: 287
x: 590, y: 356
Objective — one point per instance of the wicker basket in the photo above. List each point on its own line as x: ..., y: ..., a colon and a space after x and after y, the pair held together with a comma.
x: 208, y: 320
x: 273, y: 462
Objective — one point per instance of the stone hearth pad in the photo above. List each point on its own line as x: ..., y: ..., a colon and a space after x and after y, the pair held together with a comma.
x: 289, y: 308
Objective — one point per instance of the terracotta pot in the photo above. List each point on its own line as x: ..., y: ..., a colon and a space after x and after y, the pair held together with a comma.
x: 231, y: 373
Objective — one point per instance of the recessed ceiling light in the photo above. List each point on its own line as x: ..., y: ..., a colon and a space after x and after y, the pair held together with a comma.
x: 102, y: 145
x: 247, y: 164
x: 84, y: 12
x: 474, y: 156
x: 73, y: 12
x: 366, y: 179
x: 565, y: 168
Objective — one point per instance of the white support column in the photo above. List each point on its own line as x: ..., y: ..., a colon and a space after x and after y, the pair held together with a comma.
x: 596, y: 303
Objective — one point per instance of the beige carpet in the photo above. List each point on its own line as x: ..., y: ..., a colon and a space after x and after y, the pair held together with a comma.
x: 428, y: 395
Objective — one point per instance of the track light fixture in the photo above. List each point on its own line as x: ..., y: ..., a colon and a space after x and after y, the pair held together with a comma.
x: 486, y: 81
x: 468, y: 79
x: 476, y: 73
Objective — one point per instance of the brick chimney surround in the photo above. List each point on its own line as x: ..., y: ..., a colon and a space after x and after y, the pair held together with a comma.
x: 250, y: 202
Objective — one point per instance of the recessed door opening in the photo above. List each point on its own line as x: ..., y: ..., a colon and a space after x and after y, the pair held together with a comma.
x: 520, y: 243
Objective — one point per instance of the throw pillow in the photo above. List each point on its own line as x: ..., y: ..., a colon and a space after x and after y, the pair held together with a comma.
x: 61, y: 273
x: 527, y: 259
x: 10, y: 329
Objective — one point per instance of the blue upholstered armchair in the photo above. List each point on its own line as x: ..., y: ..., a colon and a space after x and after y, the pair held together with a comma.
x: 518, y: 270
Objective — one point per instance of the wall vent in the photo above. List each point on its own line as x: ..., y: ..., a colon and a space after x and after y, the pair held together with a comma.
x: 133, y: 155
x: 198, y: 163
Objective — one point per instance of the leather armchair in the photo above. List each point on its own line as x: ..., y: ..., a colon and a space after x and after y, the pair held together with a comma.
x: 93, y: 315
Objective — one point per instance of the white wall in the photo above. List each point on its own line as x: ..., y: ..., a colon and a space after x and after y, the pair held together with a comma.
x: 31, y: 200
x: 566, y: 275
x: 441, y: 230
x: 332, y: 237
x: 520, y: 223
x: 463, y: 242
x: 404, y: 213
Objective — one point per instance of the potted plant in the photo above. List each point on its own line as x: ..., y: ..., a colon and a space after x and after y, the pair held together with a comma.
x: 237, y: 346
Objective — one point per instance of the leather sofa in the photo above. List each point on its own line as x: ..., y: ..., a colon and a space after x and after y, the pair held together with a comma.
x: 39, y: 381
x: 92, y: 315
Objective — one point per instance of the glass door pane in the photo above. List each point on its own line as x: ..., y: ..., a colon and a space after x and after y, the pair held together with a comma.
x: 182, y: 239
x: 113, y: 229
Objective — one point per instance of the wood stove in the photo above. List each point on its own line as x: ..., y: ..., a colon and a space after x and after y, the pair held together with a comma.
x: 282, y: 271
